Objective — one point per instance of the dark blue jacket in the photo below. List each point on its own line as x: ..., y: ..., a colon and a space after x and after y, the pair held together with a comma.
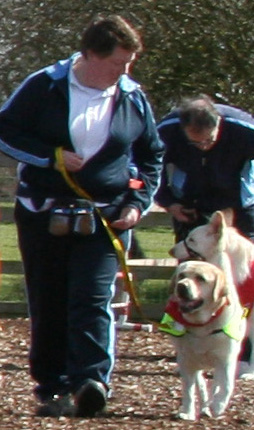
x: 34, y: 121
x: 209, y: 180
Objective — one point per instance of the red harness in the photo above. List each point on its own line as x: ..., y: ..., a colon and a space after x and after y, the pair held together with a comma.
x: 173, y: 310
x: 246, y: 290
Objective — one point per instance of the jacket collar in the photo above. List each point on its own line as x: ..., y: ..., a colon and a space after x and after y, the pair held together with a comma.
x: 61, y: 69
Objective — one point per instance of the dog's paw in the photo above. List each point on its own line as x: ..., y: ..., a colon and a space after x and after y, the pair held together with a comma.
x: 187, y: 413
x: 218, y: 408
x: 206, y: 412
x: 186, y: 416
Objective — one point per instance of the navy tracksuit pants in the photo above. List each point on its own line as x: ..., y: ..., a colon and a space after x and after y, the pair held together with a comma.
x: 70, y: 283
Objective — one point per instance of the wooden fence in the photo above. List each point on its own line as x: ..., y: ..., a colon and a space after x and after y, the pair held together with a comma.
x: 142, y: 269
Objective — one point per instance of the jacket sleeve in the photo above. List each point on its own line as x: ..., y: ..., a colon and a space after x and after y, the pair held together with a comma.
x: 18, y: 118
x: 147, y: 155
x: 165, y: 196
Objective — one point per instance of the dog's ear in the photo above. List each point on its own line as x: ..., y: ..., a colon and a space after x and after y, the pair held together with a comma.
x: 217, y: 223
x: 220, y: 288
x: 228, y: 215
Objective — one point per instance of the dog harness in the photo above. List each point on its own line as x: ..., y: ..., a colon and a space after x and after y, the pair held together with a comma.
x: 174, y: 323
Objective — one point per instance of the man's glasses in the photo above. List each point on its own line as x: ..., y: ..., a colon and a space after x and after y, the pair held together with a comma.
x: 206, y: 142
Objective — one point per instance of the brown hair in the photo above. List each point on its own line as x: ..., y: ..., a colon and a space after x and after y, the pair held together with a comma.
x: 103, y: 35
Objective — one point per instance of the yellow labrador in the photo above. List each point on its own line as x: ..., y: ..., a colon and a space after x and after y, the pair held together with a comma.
x: 206, y: 321
x: 214, y: 242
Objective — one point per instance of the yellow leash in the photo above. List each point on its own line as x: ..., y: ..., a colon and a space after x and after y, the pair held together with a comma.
x: 115, y: 241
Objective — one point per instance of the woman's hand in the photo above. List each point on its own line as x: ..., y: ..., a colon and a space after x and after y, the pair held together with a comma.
x: 128, y: 218
x: 181, y: 214
x: 72, y: 161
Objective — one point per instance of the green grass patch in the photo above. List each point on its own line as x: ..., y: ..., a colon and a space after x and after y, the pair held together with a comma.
x: 12, y: 288
x: 155, y: 242
x: 12, y: 285
x: 153, y: 291
x: 8, y: 242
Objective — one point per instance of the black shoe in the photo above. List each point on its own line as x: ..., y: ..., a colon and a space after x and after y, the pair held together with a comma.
x: 56, y: 406
x: 46, y: 390
x: 90, y: 399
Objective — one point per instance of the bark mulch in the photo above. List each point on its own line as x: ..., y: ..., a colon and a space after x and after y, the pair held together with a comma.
x: 146, y: 388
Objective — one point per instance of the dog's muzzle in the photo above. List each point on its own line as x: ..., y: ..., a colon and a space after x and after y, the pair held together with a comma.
x: 187, y: 302
x: 183, y: 291
x: 192, y: 253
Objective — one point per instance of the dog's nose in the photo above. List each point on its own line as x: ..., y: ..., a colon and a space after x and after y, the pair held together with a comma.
x: 183, y: 291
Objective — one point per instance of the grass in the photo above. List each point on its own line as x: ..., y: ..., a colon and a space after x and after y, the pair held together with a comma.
x: 8, y: 241
x: 12, y: 285
x: 155, y: 243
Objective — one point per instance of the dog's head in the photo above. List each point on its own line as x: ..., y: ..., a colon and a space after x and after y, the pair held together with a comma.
x: 203, y: 241
x: 198, y: 285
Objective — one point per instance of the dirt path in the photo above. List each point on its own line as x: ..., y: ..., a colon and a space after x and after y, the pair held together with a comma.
x: 146, y: 388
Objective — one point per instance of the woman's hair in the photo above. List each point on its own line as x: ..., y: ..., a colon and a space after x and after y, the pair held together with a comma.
x: 104, y: 34
x: 199, y: 113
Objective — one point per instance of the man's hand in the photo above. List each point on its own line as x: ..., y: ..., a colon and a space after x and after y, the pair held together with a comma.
x: 181, y: 214
x: 128, y: 218
x: 72, y: 161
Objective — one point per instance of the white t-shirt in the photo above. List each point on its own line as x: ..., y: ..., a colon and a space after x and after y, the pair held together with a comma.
x: 89, y: 117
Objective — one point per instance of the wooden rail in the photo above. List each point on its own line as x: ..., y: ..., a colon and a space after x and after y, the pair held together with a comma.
x: 152, y: 268
x: 141, y: 268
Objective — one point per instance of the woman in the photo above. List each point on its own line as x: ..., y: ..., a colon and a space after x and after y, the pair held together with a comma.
x: 89, y: 109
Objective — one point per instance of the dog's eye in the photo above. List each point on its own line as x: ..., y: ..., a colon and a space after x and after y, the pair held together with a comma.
x: 200, y: 278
